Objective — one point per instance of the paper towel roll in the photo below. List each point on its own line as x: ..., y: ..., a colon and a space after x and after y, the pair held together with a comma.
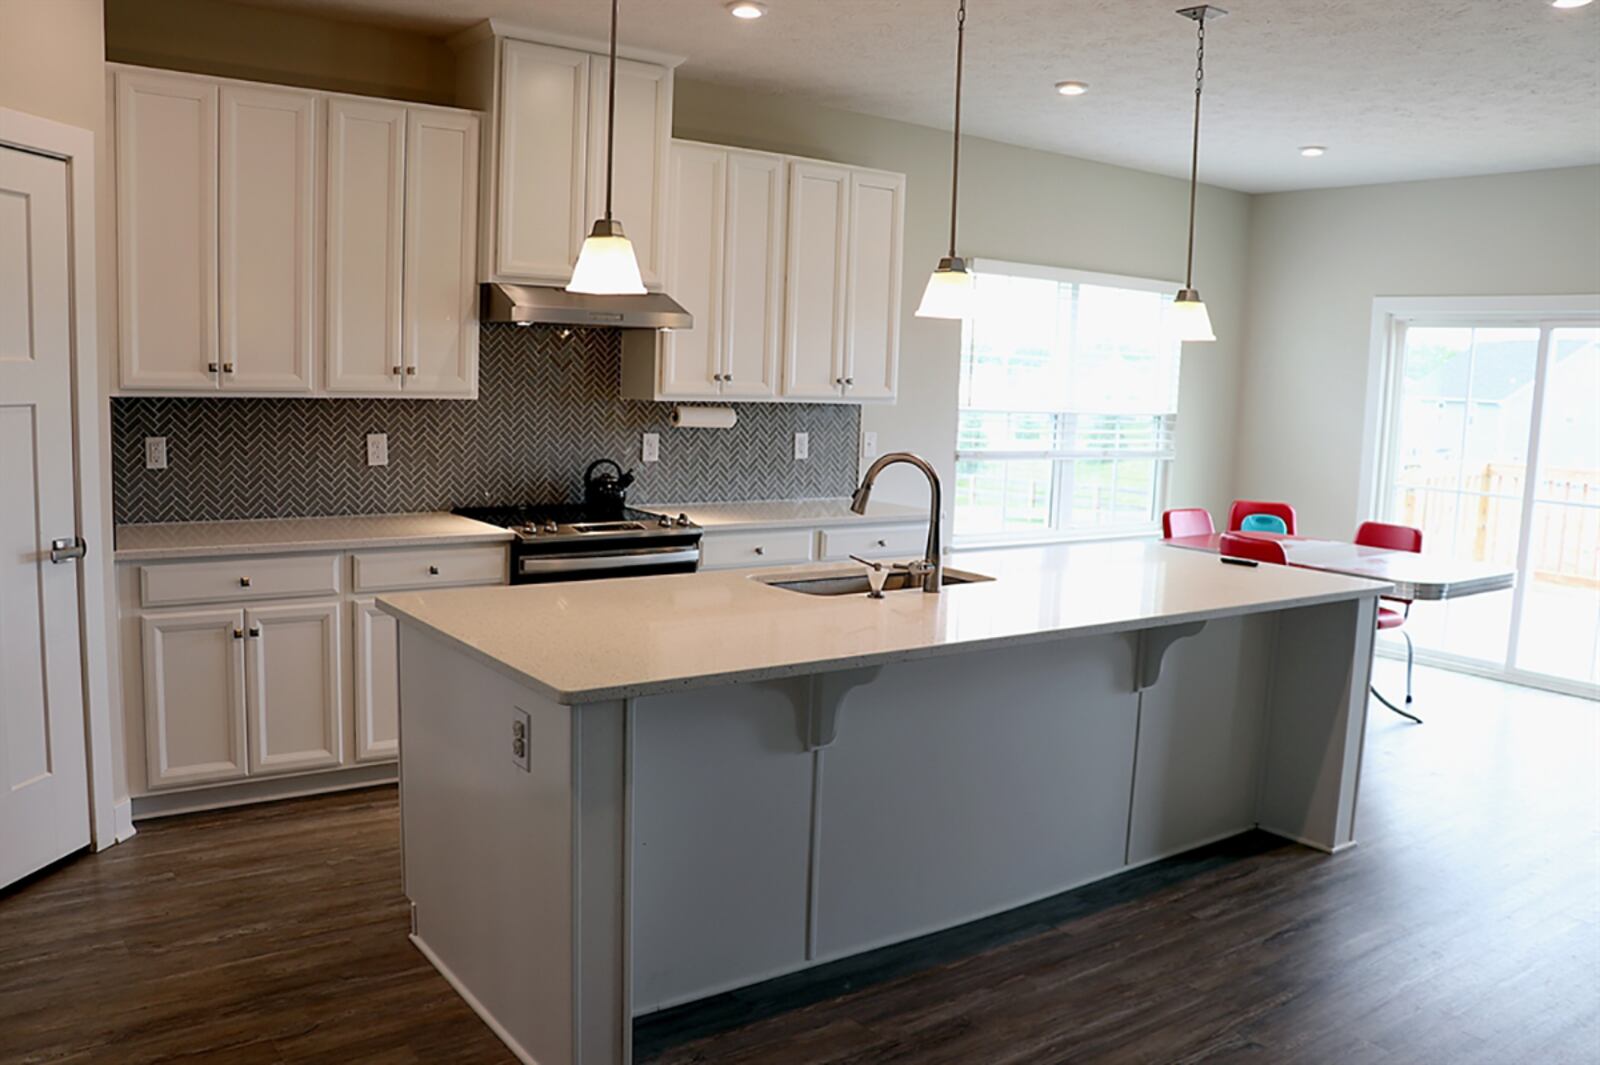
x: 704, y: 417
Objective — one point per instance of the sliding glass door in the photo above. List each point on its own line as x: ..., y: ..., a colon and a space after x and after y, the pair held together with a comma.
x: 1494, y: 452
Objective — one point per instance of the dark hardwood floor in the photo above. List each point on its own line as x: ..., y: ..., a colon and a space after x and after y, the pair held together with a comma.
x: 1464, y: 929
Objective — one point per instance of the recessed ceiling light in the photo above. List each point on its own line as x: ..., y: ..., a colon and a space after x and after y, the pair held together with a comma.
x: 747, y: 9
x: 1072, y: 88
x: 1311, y: 151
x: 1570, y: 3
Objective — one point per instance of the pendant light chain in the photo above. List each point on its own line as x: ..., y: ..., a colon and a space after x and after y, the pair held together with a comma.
x: 1194, y: 158
x: 955, y: 152
x: 611, y: 108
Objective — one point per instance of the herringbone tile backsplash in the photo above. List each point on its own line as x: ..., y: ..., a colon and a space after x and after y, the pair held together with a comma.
x: 547, y: 407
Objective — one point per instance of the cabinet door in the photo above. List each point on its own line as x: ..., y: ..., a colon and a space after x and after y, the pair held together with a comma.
x: 753, y: 275
x: 292, y: 687
x: 440, y: 326
x: 193, y: 696
x: 814, y: 300
x: 544, y: 128
x: 167, y: 231
x: 642, y: 140
x: 376, y: 663
x: 691, y: 359
x: 872, y: 302
x: 268, y: 234
x: 366, y: 197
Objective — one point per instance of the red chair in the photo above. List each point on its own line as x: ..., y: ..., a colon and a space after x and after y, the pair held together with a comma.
x: 1243, y: 508
x: 1186, y: 521
x: 1393, y: 538
x: 1262, y: 550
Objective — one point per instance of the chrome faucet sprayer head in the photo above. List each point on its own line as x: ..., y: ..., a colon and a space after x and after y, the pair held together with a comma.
x: 858, y: 501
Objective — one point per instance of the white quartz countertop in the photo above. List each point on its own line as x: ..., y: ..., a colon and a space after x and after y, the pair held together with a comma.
x: 598, y: 640
x: 781, y: 513
x: 212, y: 538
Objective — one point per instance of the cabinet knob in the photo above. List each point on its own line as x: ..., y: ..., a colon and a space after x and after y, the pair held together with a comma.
x: 212, y: 367
x: 227, y: 367
x: 411, y: 371
x: 883, y: 543
x: 761, y: 550
x: 238, y: 634
x: 396, y: 370
x: 727, y: 377
x: 244, y: 582
x: 433, y: 571
x: 255, y: 630
x: 849, y: 382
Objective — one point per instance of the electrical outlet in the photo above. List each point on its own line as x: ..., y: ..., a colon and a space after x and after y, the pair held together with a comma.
x: 377, y: 449
x: 520, y: 739
x: 802, y: 446
x: 650, y: 451
x: 869, y: 446
x: 155, y: 452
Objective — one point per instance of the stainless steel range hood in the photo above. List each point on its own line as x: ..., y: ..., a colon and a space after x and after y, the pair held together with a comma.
x: 527, y: 304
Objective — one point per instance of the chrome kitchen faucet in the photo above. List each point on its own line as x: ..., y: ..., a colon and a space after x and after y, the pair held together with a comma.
x: 931, y: 568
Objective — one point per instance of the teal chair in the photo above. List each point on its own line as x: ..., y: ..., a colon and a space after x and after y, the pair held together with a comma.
x: 1267, y: 523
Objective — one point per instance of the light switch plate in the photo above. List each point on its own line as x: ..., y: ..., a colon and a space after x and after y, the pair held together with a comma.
x: 869, y: 446
x: 650, y: 450
x: 155, y: 452
x: 802, y: 446
x: 377, y: 449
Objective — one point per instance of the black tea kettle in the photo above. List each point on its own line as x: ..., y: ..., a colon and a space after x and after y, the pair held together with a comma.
x: 605, y: 494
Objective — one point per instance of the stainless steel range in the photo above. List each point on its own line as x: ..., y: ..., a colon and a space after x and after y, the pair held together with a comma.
x: 575, y: 542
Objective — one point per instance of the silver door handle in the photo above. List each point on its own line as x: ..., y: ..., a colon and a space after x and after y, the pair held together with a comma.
x: 659, y: 556
x: 68, y: 548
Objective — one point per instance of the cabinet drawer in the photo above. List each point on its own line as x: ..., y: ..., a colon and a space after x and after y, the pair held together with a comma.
x: 239, y: 579
x: 884, y: 542
x: 775, y: 548
x: 376, y: 571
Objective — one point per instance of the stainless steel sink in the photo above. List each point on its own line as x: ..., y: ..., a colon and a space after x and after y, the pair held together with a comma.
x: 856, y: 583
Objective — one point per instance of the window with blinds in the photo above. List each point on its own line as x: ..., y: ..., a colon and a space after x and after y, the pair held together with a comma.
x: 1069, y: 399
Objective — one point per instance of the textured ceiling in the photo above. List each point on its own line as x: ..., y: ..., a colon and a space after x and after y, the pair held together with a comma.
x: 1396, y: 89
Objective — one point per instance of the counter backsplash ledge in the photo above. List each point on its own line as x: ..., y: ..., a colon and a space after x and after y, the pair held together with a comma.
x: 547, y: 406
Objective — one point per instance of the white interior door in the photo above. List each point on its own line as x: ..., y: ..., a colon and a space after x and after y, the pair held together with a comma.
x: 44, y: 796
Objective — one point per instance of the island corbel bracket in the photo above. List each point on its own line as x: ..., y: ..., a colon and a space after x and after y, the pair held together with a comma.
x: 1152, y: 650
x: 824, y: 698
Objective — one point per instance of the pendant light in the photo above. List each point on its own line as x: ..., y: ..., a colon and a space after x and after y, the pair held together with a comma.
x: 1188, y: 319
x: 606, y: 264
x: 949, y: 291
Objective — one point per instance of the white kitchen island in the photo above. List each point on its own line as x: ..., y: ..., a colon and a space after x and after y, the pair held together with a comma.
x: 721, y: 781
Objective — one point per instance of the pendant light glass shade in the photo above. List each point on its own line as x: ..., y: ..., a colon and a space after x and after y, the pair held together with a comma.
x: 1187, y: 318
x: 606, y: 263
x: 949, y: 293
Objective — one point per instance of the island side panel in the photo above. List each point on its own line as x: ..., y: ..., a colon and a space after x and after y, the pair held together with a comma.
x: 721, y: 838
x: 488, y: 846
x: 1316, y: 718
x: 1201, y: 737
x: 966, y: 785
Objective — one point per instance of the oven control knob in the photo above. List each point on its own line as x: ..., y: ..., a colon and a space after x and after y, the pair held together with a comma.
x: 549, y: 526
x: 665, y: 522
x: 683, y: 519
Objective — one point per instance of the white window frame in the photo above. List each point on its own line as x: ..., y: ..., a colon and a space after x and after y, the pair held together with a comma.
x: 1061, y: 497
x: 1392, y: 316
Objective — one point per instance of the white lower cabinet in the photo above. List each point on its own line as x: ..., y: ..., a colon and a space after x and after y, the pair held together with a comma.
x: 283, y: 665
x: 293, y: 688
x: 194, y: 696
x: 375, y: 661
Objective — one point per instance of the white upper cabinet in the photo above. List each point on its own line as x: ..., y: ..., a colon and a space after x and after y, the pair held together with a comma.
x: 366, y: 216
x: 753, y: 275
x: 691, y: 359
x: 439, y: 329
x: 543, y: 126
x: 642, y: 139
x: 815, y: 293
x: 872, y: 301
x: 167, y: 231
x: 268, y: 236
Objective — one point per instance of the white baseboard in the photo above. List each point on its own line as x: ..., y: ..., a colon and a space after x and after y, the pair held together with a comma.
x: 122, y: 819
x: 471, y: 1000
x: 265, y: 789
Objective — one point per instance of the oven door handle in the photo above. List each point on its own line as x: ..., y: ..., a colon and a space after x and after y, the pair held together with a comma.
x: 655, y: 556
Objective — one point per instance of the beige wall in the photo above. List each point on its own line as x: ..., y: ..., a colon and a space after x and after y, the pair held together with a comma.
x: 233, y: 41
x: 1317, y: 260
x: 1024, y: 206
